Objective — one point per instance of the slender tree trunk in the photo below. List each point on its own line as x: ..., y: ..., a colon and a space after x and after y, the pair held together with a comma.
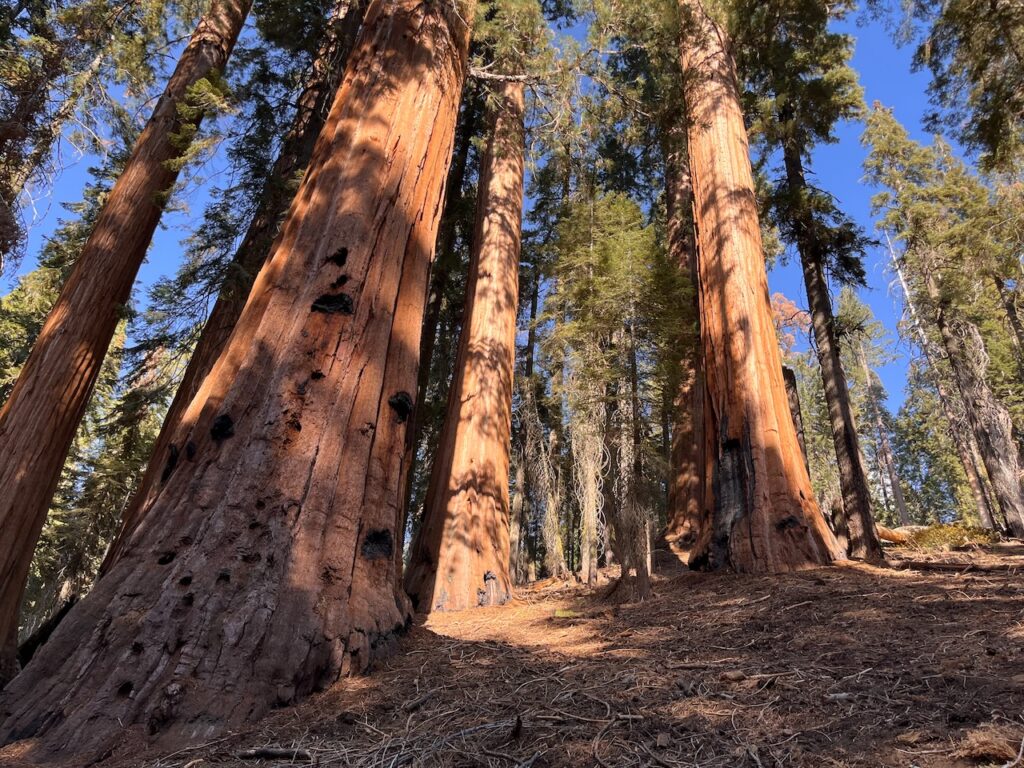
x: 255, y: 250
x: 884, y: 446
x: 853, y: 475
x: 963, y: 440
x: 988, y: 418
x: 39, y: 419
x: 686, y: 512
x: 266, y: 567
x: 793, y: 395
x: 1008, y: 299
x: 764, y: 516
x: 460, y: 558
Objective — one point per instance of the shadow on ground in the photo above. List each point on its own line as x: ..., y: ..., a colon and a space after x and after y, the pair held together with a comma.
x: 844, y: 666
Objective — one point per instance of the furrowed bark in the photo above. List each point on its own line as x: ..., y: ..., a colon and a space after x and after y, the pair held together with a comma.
x: 266, y: 566
x: 853, y: 476
x: 39, y: 419
x: 686, y: 513
x: 256, y: 249
x: 988, y: 418
x: 460, y: 558
x: 764, y: 516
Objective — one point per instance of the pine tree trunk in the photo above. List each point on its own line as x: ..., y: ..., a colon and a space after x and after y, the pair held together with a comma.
x: 686, y: 513
x: 764, y: 516
x: 793, y: 394
x: 255, y: 250
x: 39, y: 419
x: 884, y: 446
x: 460, y: 558
x: 266, y: 567
x: 963, y: 440
x: 853, y: 476
x: 988, y: 418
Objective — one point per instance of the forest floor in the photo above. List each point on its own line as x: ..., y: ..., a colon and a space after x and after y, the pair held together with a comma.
x: 845, y: 666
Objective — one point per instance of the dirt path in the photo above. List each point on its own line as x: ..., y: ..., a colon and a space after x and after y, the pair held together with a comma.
x: 847, y: 666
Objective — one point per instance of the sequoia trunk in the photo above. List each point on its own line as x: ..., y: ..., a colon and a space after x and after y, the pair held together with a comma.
x: 764, y: 516
x: 853, y: 476
x: 266, y: 566
x: 39, y: 419
x: 686, y: 513
x: 255, y: 249
x: 460, y: 558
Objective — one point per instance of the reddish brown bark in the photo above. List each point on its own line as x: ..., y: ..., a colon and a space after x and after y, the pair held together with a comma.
x: 39, y: 419
x: 686, y: 512
x: 253, y: 252
x: 764, y: 516
x: 266, y: 567
x: 460, y: 558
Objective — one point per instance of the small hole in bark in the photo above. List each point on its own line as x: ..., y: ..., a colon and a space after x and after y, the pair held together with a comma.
x: 190, y: 450
x: 270, y: 561
x: 340, y: 257
x: 489, y: 576
x: 251, y: 557
x: 787, y: 523
x: 172, y: 462
x: 185, y: 581
x: 333, y: 303
x: 260, y: 504
x: 125, y: 688
x: 254, y: 524
x: 166, y: 558
x: 223, y: 427
x: 294, y: 423
x: 340, y: 281
x: 401, y: 404
x: 137, y: 648
x: 185, y: 541
x: 367, y: 428
x: 224, y: 577
x: 377, y: 545
x: 188, y: 599
x: 316, y: 375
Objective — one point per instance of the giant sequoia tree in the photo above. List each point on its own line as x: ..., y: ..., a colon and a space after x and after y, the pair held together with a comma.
x: 266, y: 566
x: 460, y: 558
x: 763, y: 513
x: 40, y: 417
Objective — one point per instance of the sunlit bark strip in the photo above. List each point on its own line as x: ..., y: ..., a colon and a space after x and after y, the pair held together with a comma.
x: 460, y: 558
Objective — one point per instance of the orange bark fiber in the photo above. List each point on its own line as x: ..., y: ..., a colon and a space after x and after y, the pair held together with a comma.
x: 764, y: 515
x: 39, y: 419
x: 253, y: 252
x: 266, y: 567
x: 686, y: 511
x: 460, y: 558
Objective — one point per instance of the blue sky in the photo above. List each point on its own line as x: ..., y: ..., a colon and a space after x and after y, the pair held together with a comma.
x: 885, y: 74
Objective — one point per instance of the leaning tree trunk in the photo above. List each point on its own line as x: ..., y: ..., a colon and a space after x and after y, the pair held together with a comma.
x: 39, y: 419
x: 685, y: 512
x: 963, y: 439
x: 853, y: 476
x: 988, y: 418
x: 793, y: 394
x: 460, y: 558
x: 254, y: 251
x: 764, y: 516
x: 266, y: 567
